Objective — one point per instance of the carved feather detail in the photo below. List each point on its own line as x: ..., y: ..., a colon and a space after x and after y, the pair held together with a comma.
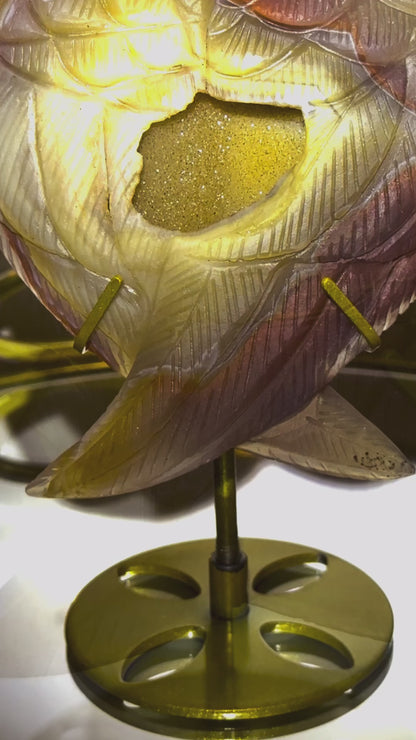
x: 225, y: 332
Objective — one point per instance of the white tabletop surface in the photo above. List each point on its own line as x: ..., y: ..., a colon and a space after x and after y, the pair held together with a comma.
x: 49, y: 550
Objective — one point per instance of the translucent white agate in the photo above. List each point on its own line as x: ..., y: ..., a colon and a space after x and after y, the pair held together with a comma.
x: 224, y: 332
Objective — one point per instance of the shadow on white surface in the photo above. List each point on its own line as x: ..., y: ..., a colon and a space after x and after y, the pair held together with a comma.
x: 32, y: 642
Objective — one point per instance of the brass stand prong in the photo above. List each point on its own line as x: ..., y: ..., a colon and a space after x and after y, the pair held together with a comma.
x: 97, y: 312
x: 351, y: 312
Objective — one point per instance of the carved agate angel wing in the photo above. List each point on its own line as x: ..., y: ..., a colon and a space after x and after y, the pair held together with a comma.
x: 223, y: 332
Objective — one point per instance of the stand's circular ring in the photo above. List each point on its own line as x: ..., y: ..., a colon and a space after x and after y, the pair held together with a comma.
x: 143, y: 645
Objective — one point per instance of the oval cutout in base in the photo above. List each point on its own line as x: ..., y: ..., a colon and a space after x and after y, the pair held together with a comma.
x: 291, y: 574
x: 162, y: 583
x: 309, y: 648
x: 173, y: 654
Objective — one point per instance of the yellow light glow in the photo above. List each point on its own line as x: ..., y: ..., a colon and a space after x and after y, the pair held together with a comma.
x: 245, y: 63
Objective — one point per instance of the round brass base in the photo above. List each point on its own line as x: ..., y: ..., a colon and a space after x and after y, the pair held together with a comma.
x: 315, y: 641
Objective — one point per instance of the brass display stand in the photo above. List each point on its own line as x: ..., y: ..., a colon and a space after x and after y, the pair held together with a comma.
x: 208, y: 640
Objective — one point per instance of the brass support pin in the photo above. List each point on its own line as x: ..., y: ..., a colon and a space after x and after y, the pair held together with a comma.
x: 97, y: 313
x: 351, y: 312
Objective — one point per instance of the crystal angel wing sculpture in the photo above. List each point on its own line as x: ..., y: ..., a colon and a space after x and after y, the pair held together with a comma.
x: 223, y: 331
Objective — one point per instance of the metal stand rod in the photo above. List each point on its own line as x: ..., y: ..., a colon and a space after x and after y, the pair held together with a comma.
x: 228, y: 564
x: 228, y: 553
